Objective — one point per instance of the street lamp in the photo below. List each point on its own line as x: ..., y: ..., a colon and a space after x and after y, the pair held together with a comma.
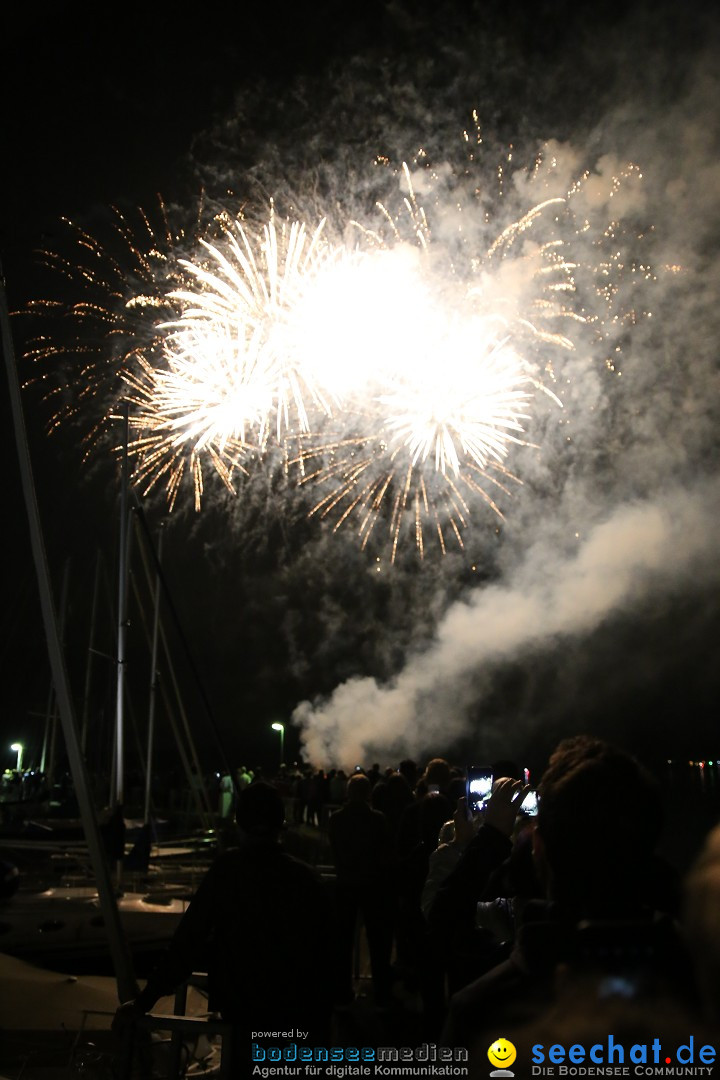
x: 18, y: 748
x: 281, y: 729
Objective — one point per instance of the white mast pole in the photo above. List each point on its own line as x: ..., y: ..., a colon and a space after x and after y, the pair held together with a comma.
x: 122, y: 962
x: 153, y: 686
x: 119, y: 794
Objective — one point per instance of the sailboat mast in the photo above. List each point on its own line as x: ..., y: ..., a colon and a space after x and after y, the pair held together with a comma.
x: 90, y: 655
x: 122, y: 962
x: 119, y: 769
x: 153, y: 686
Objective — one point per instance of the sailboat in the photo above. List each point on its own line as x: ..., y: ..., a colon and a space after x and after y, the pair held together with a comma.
x: 64, y: 927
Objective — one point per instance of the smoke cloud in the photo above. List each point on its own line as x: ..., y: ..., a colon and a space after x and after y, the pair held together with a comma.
x: 641, y: 550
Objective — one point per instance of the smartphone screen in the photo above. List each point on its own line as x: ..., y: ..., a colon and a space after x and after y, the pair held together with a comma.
x: 478, y: 786
x: 529, y: 805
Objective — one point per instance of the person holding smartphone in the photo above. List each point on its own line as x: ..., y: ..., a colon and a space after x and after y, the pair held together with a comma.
x: 603, y: 914
x: 485, y: 839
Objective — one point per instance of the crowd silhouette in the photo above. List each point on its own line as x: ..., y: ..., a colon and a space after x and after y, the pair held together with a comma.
x: 472, y: 924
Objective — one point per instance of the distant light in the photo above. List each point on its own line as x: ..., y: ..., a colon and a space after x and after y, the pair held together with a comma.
x: 16, y: 746
x: 278, y: 727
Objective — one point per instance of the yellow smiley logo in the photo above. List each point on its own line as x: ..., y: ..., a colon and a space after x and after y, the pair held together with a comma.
x: 502, y: 1053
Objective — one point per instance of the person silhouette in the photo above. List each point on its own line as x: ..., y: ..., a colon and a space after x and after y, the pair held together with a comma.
x: 261, y: 925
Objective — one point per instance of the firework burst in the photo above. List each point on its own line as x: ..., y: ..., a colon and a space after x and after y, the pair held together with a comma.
x: 230, y: 377
x: 439, y: 371
x: 391, y: 372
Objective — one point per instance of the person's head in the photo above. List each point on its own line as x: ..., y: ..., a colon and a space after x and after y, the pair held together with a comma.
x: 597, y: 825
x: 358, y: 788
x: 398, y: 788
x: 408, y: 768
x: 260, y: 812
x: 437, y: 774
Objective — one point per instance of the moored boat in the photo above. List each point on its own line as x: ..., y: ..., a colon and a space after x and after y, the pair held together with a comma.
x: 64, y: 925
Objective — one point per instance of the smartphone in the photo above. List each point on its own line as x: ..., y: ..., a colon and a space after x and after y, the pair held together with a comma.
x: 529, y: 805
x: 478, y: 787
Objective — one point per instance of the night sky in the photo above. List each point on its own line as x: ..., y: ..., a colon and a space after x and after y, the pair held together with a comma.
x: 274, y: 610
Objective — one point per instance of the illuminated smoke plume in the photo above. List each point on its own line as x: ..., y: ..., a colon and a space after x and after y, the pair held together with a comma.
x: 644, y: 549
